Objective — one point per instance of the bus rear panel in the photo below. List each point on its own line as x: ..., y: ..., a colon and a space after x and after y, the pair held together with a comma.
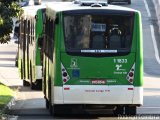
x: 98, y: 62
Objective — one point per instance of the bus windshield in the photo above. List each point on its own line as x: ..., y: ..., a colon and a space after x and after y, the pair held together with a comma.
x: 89, y: 33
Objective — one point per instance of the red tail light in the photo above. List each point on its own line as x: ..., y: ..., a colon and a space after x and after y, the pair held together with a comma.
x: 130, y: 88
x: 130, y: 75
x: 64, y: 80
x: 65, y: 75
x: 131, y: 80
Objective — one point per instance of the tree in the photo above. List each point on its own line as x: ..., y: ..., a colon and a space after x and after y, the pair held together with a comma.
x: 8, y: 10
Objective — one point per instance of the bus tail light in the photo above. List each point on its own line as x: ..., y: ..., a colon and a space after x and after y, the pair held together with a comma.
x: 130, y: 75
x: 65, y: 75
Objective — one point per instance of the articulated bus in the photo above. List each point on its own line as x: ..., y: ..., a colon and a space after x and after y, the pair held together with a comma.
x: 30, y: 40
x: 92, y: 57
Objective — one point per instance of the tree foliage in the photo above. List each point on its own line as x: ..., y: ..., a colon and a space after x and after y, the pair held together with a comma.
x: 8, y: 10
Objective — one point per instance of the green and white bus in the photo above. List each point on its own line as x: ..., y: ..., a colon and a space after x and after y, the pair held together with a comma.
x: 93, y: 56
x: 30, y: 39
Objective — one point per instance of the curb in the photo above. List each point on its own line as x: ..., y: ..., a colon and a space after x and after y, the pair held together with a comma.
x: 6, y: 107
x: 9, y: 104
x: 6, y: 116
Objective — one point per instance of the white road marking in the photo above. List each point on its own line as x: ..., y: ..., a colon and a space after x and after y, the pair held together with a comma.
x: 152, y: 34
x: 147, y: 8
x: 154, y: 44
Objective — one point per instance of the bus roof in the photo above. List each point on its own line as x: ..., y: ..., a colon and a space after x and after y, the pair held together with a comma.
x: 66, y: 6
x: 32, y: 10
x: 53, y: 7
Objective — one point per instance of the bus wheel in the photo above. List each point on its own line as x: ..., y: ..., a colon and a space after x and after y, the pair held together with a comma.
x: 16, y: 63
x: 38, y: 84
x: 62, y: 109
x: 31, y: 82
x: 129, y: 2
x: 32, y: 86
x: 25, y: 83
x: 50, y: 97
x: 130, y: 110
x: 47, y: 103
x: 51, y: 110
x: 119, y: 110
x: 55, y: 109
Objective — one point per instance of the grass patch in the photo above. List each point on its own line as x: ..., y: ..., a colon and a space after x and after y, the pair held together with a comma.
x: 6, y: 95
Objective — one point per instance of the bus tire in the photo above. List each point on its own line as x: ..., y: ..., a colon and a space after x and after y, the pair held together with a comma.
x: 25, y: 83
x: 32, y: 86
x: 50, y: 98
x: 60, y: 110
x: 31, y: 82
x: 38, y: 84
x: 119, y: 110
x: 129, y: 2
x: 47, y: 103
x: 130, y: 110
x: 51, y: 110
x: 16, y: 63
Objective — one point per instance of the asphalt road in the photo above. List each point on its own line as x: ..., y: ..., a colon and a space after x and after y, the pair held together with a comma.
x: 30, y: 105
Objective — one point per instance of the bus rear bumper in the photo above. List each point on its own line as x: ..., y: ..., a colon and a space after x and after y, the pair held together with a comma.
x: 98, y: 94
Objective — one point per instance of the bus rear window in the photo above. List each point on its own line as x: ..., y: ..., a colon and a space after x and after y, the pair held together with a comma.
x: 98, y: 33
